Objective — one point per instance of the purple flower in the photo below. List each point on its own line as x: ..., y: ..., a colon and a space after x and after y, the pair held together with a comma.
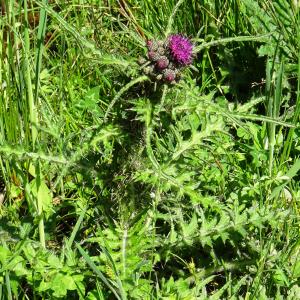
x: 180, y: 49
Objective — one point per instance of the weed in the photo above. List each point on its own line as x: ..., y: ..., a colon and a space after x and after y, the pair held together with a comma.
x: 116, y: 184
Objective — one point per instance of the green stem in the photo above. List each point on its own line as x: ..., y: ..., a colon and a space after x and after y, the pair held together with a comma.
x: 227, y: 266
x: 149, y: 149
x: 8, y: 286
x: 40, y: 46
x: 172, y: 17
x: 274, y: 110
x: 121, y: 92
x: 30, y: 98
x: 40, y: 206
x: 33, y: 120
x: 41, y: 223
x: 38, y: 65
x: 154, y: 161
x: 229, y: 40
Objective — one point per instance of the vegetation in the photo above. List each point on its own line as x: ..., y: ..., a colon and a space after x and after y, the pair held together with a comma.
x: 117, y: 186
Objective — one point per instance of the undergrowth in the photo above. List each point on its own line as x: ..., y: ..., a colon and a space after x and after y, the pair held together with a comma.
x: 114, y: 186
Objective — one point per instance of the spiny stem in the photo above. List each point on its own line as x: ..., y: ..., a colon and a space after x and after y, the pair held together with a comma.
x: 171, y: 19
x: 229, y: 40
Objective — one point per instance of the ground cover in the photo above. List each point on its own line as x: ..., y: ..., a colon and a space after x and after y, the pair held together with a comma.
x: 149, y: 149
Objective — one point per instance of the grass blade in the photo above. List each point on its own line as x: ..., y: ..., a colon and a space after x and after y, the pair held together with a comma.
x: 107, y: 59
x: 97, y: 271
x: 30, y: 98
x: 8, y: 286
x: 76, y: 227
x: 40, y: 46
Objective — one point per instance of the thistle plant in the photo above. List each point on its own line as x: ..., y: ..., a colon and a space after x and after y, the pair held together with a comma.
x: 165, y: 59
x: 118, y: 190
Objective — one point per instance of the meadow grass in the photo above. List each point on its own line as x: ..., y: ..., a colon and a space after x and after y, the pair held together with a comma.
x: 118, y: 187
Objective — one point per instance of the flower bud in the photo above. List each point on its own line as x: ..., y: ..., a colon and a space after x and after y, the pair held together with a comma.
x: 160, y: 43
x: 141, y: 60
x: 154, y: 56
x: 169, y: 75
x: 152, y: 45
x: 171, y: 66
x: 149, y: 43
x: 161, y: 50
x: 148, y: 70
x: 162, y: 63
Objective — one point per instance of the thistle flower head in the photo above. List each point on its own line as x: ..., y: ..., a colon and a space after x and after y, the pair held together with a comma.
x: 152, y: 45
x: 169, y: 75
x: 142, y: 60
x: 154, y: 56
x: 149, y: 43
x: 165, y: 58
x: 162, y: 63
x: 148, y: 70
x: 180, y: 49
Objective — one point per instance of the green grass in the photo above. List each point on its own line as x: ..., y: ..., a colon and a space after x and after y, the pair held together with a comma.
x: 120, y: 188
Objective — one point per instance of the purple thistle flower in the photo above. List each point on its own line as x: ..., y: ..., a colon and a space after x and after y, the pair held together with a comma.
x: 180, y: 49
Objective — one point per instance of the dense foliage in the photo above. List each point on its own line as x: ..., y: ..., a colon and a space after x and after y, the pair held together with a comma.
x: 119, y: 185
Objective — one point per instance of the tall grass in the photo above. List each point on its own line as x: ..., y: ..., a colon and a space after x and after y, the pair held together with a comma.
x: 117, y: 187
